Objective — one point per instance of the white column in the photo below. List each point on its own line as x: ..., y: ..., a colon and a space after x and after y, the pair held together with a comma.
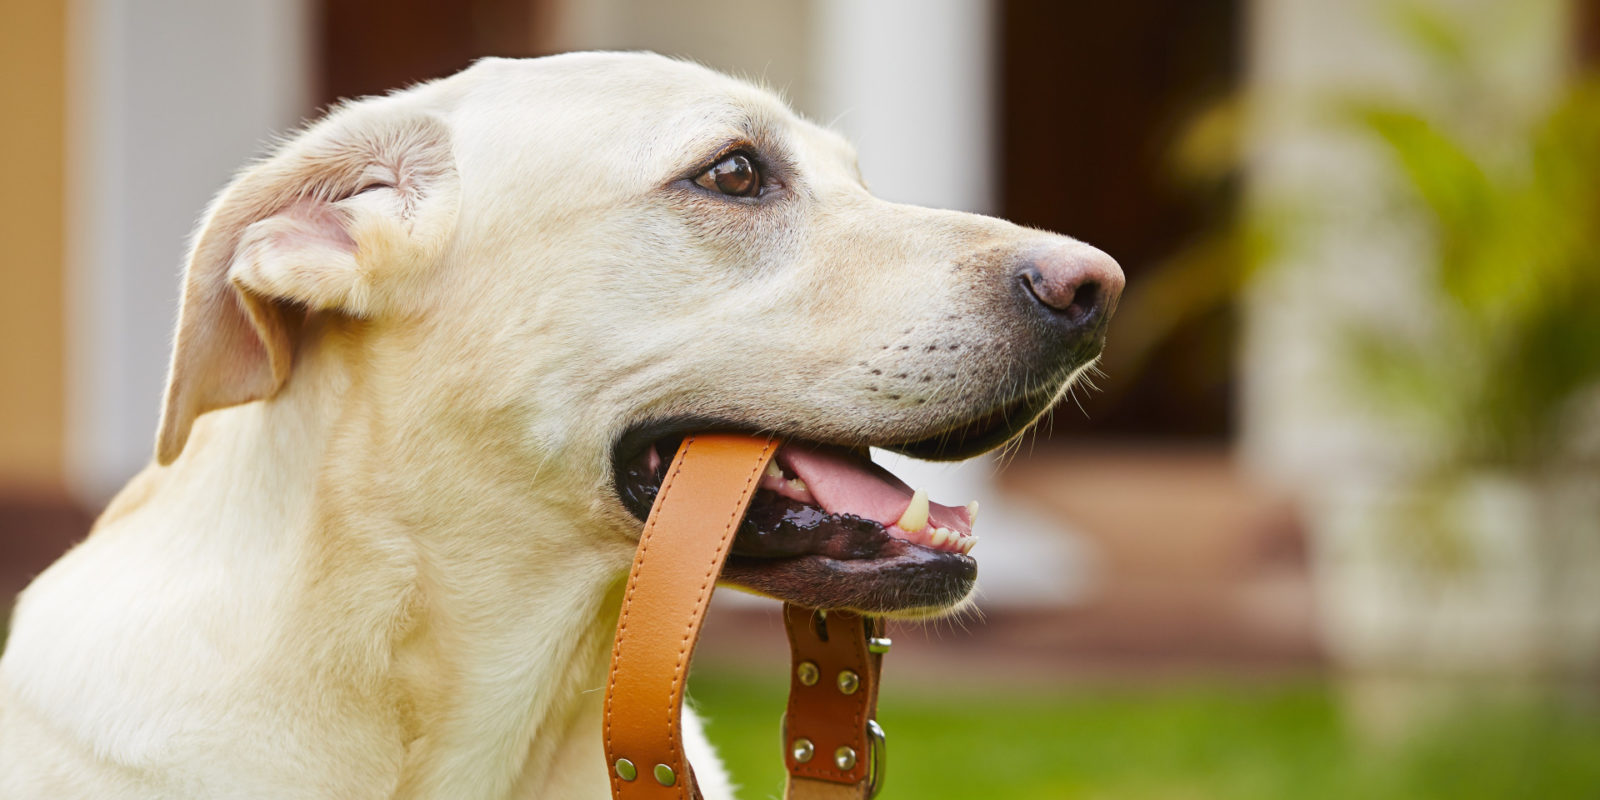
x: 168, y: 98
x: 911, y: 83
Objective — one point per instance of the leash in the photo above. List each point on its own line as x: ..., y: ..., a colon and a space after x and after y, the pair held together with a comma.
x: 832, y: 747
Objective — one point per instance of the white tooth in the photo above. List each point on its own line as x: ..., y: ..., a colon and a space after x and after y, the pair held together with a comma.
x: 972, y: 514
x: 971, y: 542
x: 940, y: 536
x: 916, y: 516
x: 797, y: 484
x: 773, y: 471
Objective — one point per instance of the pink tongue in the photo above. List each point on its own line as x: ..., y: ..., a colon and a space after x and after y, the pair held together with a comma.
x: 846, y: 484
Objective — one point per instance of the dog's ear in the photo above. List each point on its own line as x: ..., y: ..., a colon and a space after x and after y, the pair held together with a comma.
x: 338, y: 220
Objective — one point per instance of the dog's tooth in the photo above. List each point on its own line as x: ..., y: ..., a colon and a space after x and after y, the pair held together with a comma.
x: 772, y: 469
x: 939, y: 537
x: 916, y: 516
x: 797, y: 485
x: 969, y: 543
x: 972, y: 514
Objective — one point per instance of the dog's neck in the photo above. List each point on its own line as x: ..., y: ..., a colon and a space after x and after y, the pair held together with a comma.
x: 440, y: 581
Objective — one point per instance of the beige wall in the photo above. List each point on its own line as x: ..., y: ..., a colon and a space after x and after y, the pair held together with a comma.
x: 33, y: 93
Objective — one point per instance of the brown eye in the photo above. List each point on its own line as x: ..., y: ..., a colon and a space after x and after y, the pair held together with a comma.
x: 735, y: 175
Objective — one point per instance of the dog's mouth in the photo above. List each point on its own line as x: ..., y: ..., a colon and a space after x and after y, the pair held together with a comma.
x: 828, y: 528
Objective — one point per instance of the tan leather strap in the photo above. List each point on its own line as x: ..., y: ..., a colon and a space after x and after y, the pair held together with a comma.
x: 685, y: 541
x: 832, y: 746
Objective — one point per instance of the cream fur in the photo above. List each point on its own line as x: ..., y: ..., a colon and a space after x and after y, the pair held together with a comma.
x: 379, y: 556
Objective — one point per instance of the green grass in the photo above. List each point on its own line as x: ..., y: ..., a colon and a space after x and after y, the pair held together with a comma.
x: 1171, y: 743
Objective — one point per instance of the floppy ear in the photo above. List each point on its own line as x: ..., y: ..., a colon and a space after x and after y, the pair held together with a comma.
x: 337, y: 220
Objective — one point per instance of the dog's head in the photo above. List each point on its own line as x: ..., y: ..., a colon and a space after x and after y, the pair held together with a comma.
x: 579, y: 259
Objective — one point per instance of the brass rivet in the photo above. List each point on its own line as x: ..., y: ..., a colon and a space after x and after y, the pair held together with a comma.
x: 808, y: 673
x: 845, y: 757
x: 626, y: 770
x: 803, y: 750
x: 849, y: 682
x: 665, y: 776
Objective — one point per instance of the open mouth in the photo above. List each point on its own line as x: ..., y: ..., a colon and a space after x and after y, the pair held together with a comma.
x: 828, y: 528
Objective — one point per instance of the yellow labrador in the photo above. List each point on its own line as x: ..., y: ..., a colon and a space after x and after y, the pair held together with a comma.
x: 431, y: 356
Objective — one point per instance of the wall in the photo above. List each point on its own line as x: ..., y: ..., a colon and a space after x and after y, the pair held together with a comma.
x: 168, y: 99
x: 32, y: 382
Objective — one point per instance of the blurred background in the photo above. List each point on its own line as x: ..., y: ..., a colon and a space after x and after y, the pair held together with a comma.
x: 1329, y: 525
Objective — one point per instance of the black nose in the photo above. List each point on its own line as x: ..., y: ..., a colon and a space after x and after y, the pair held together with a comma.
x: 1073, y: 287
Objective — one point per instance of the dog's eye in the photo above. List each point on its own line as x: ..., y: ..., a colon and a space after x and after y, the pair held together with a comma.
x: 735, y: 175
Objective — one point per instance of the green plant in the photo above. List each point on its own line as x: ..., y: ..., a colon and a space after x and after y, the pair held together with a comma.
x: 1497, y: 358
x: 1510, y: 337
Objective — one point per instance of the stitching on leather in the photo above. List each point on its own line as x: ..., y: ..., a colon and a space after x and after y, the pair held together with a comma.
x: 674, y: 698
x: 622, y: 623
x: 859, y: 655
x: 675, y: 694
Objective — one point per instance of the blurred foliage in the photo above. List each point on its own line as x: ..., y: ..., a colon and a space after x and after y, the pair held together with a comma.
x: 1173, y: 742
x: 1512, y: 334
x: 1499, y: 359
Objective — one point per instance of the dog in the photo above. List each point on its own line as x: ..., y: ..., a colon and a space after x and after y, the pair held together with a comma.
x: 431, y: 356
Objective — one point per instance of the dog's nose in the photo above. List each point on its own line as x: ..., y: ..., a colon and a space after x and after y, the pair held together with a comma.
x: 1074, y: 287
